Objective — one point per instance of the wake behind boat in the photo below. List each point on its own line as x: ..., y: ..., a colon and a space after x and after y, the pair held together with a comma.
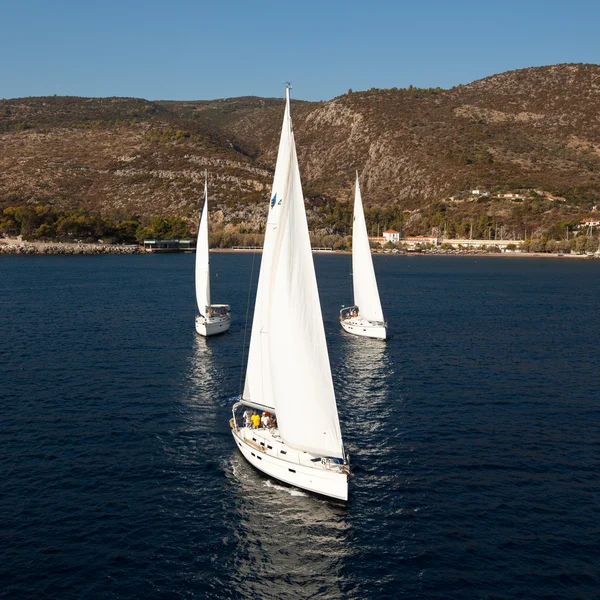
x: 213, y: 318
x: 365, y: 318
x: 297, y: 439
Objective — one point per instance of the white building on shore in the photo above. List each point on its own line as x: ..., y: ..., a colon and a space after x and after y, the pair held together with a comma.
x: 501, y: 244
x: 418, y: 241
x: 391, y: 235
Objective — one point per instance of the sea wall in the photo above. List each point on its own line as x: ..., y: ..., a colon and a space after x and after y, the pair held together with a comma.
x: 20, y: 247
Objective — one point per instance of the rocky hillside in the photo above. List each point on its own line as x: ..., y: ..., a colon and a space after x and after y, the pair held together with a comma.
x: 419, y: 152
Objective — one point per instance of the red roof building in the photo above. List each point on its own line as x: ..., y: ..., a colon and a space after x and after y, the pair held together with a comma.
x: 391, y: 235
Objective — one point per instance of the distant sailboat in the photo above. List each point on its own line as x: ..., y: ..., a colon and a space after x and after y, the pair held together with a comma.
x: 365, y: 318
x: 288, y: 375
x: 213, y: 318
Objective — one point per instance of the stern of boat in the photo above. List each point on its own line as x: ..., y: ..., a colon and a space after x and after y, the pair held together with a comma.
x: 215, y: 321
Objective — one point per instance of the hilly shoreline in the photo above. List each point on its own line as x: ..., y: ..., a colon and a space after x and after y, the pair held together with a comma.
x: 530, y: 139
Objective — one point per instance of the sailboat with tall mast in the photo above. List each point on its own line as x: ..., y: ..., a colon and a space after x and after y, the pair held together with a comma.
x: 213, y: 318
x: 365, y: 318
x: 288, y: 377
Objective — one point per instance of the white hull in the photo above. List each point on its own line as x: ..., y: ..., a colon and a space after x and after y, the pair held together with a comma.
x: 212, y: 325
x: 362, y: 327
x: 263, y: 449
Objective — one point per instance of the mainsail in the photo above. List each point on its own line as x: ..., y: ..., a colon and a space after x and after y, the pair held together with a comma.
x: 202, y: 260
x: 366, y: 294
x: 288, y: 363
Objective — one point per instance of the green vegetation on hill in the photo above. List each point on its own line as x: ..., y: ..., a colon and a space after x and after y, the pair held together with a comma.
x: 45, y: 223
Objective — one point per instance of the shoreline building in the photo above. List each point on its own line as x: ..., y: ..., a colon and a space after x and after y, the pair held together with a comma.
x: 169, y: 245
x: 411, y: 242
x: 418, y: 241
x: 391, y: 235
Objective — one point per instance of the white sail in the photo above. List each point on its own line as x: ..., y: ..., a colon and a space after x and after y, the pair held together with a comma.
x: 291, y: 333
x: 366, y: 294
x: 202, y: 260
x: 257, y: 388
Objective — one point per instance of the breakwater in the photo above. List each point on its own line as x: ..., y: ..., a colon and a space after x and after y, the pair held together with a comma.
x: 20, y: 247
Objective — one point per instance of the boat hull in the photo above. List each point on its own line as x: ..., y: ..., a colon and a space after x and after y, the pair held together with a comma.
x: 364, y: 328
x: 264, y: 453
x: 212, y: 325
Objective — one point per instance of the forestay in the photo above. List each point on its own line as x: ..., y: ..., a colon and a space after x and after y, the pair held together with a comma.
x: 366, y: 294
x: 257, y: 388
x: 202, y: 260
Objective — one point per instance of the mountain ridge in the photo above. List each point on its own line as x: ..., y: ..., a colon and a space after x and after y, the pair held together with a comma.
x: 419, y: 152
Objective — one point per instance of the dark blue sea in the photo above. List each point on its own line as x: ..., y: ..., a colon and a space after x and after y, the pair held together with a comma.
x: 474, y: 435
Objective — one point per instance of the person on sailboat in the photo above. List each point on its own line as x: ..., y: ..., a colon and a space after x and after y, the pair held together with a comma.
x: 265, y: 420
x: 255, y: 420
x: 248, y: 417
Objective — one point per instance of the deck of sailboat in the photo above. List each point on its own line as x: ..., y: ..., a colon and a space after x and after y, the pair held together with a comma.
x: 268, y: 441
x: 363, y: 327
x: 363, y: 322
x: 264, y: 450
x: 213, y: 318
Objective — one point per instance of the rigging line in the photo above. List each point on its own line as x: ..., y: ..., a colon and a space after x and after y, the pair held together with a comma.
x: 246, y: 324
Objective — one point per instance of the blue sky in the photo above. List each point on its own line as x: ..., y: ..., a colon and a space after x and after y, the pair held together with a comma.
x: 183, y: 50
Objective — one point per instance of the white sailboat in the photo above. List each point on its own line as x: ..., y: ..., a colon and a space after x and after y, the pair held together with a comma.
x: 288, y: 374
x: 365, y: 318
x: 213, y: 318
